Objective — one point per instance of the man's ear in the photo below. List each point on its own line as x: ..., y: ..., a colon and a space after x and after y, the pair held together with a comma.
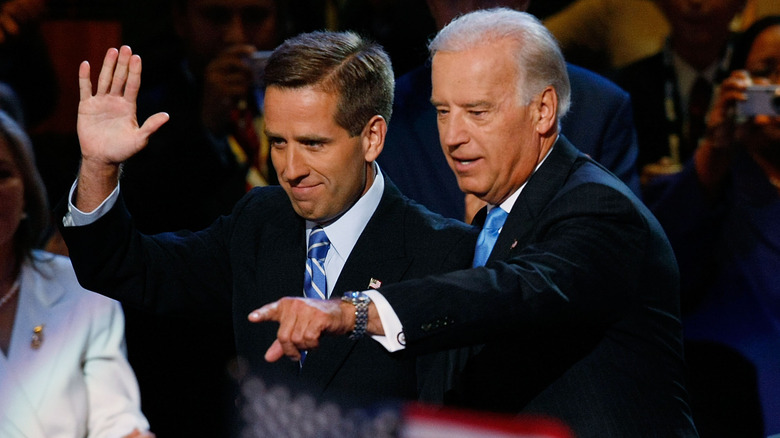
x: 546, y: 111
x: 373, y: 137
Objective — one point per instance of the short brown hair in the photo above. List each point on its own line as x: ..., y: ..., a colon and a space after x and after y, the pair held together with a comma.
x: 357, y: 69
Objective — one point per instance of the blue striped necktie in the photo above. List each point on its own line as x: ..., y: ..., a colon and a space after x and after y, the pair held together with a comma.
x: 487, y: 237
x: 314, y: 282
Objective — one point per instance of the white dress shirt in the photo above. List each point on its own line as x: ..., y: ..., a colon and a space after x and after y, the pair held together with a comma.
x: 344, y: 232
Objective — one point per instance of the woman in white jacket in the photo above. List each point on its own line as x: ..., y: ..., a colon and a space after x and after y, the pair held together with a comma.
x: 63, y: 370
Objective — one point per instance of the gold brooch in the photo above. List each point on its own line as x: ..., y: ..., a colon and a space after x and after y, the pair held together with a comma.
x: 37, y: 337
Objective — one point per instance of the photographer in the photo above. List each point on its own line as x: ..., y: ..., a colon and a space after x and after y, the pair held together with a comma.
x: 721, y: 214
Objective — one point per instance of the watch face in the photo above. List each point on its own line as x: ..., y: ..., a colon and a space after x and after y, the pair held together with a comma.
x: 356, y: 297
x: 351, y: 295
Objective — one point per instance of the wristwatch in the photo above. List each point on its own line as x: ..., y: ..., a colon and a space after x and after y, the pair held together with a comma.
x: 360, y: 301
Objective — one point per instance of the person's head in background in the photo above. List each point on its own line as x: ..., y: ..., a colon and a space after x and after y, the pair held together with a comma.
x: 700, y: 29
x: 209, y: 27
x: 757, y: 51
x: 328, y: 100
x: 500, y: 87
x: 24, y: 212
x: 443, y: 11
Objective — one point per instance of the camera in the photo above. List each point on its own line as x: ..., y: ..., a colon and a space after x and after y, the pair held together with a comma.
x: 761, y: 99
x: 257, y: 62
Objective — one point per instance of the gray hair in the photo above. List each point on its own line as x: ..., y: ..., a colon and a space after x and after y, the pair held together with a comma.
x: 539, y: 59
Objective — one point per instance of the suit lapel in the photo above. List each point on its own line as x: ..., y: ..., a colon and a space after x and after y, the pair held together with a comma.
x: 543, y: 185
x: 378, y: 255
x: 29, y: 369
x: 281, y: 260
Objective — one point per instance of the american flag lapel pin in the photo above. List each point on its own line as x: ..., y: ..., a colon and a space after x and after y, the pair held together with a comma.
x: 374, y: 283
x: 514, y: 244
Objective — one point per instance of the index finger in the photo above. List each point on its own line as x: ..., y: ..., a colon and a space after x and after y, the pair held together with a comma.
x: 269, y: 312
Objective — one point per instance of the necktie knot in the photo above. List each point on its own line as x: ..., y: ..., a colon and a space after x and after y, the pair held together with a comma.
x: 495, y: 219
x: 488, y: 236
x: 314, y: 282
x: 318, y: 244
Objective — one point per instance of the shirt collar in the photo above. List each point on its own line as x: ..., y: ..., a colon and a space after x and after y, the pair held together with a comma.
x: 344, y: 232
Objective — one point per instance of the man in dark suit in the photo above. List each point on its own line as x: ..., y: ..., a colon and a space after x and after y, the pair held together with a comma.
x: 327, y: 101
x: 577, y: 307
x: 671, y: 91
x: 600, y: 124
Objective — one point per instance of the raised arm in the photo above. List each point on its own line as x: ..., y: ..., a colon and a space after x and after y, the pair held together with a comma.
x: 107, y: 126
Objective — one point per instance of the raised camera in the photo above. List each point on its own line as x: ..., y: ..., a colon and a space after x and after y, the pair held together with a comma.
x: 761, y: 100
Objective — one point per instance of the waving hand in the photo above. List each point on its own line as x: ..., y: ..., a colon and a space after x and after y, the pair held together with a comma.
x: 107, y: 126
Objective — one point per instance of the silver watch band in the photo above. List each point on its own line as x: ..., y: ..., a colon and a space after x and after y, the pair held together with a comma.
x: 361, y: 302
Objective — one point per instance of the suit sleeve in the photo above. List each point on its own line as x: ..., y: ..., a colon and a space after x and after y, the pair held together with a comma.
x: 580, y: 269
x: 114, y: 399
x: 170, y: 273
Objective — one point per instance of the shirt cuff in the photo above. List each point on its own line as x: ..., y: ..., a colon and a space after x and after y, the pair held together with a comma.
x: 394, y: 338
x: 76, y: 218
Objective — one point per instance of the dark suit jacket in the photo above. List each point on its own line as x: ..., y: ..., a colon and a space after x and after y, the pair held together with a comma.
x: 599, y: 123
x: 645, y: 81
x: 256, y: 255
x: 577, y: 308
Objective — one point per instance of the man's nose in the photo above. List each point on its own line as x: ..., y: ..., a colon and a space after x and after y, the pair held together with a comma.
x: 295, y: 166
x: 235, y: 30
x: 452, y: 132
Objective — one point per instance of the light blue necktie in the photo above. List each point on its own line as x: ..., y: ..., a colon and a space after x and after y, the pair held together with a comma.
x: 315, y: 284
x: 314, y: 281
x: 488, y: 235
